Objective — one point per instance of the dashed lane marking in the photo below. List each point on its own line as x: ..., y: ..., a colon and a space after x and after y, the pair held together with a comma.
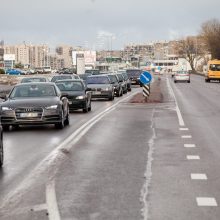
x: 183, y: 129
x: 193, y: 157
x: 198, y: 176
x: 189, y: 145
x: 186, y: 136
x: 206, y: 201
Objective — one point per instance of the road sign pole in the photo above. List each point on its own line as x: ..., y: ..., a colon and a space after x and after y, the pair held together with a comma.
x: 145, y: 79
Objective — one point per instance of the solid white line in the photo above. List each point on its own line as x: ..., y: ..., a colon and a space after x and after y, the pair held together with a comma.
x: 206, y: 201
x: 186, y: 136
x: 183, y: 129
x: 52, y: 202
x: 67, y: 144
x: 198, y: 176
x: 189, y: 145
x: 179, y: 115
x: 193, y: 157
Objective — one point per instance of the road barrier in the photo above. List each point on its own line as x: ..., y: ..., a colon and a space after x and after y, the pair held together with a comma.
x: 146, y: 90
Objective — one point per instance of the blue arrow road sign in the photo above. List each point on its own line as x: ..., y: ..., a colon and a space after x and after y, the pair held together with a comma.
x: 145, y: 78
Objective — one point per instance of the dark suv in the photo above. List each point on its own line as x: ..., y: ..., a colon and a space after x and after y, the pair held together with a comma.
x: 134, y: 76
x: 117, y: 86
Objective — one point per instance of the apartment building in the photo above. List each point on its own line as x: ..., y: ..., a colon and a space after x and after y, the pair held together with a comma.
x: 27, y: 54
x: 64, y: 53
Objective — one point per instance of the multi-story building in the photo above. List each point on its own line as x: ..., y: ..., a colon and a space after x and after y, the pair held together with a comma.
x: 65, y: 53
x: 32, y: 55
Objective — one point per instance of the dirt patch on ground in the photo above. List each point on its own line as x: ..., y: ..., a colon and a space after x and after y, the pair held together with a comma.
x: 156, y: 95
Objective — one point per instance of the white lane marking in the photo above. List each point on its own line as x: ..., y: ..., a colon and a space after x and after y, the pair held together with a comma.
x: 47, y: 161
x: 180, y: 118
x: 198, y: 176
x: 148, y: 173
x: 52, y: 201
x: 183, y: 129
x: 206, y: 201
x: 189, y: 145
x: 193, y: 157
x: 186, y: 136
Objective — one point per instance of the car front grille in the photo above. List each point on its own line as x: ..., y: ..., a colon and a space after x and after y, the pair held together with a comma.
x: 29, y: 113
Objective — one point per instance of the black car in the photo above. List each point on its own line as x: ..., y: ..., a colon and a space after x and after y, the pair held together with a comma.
x: 1, y: 147
x: 127, y: 80
x: 122, y: 82
x: 117, y: 86
x: 64, y: 76
x: 78, y: 95
x: 134, y: 76
x: 34, y: 104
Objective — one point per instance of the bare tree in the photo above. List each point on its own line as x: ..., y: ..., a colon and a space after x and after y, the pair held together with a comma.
x: 190, y: 48
x: 211, y: 33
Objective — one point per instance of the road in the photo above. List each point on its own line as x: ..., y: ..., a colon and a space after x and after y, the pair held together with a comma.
x: 156, y: 161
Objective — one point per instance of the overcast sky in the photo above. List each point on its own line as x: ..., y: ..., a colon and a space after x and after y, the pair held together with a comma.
x: 102, y: 24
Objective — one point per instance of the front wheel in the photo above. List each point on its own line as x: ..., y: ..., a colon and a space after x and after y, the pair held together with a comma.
x: 60, y: 125
x: 6, y: 127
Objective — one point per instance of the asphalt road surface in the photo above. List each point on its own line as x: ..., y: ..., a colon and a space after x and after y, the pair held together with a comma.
x: 123, y: 160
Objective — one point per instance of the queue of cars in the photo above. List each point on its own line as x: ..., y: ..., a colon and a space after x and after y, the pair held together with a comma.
x: 36, y: 100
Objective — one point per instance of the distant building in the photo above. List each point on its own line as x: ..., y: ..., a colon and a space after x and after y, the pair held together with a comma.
x: 65, y: 53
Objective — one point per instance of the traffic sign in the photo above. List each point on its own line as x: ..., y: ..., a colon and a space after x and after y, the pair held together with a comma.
x: 145, y: 78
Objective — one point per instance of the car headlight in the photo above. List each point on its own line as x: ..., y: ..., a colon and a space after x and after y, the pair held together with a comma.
x: 4, y: 108
x: 106, y: 89
x: 80, y: 97
x: 51, y: 107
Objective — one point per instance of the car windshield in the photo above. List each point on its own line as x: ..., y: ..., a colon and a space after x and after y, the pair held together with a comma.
x: 120, y: 77
x: 113, y: 78
x: 125, y: 75
x: 214, y: 67
x: 26, y: 80
x: 70, y: 86
x: 133, y: 72
x: 98, y: 80
x: 32, y: 90
x: 61, y: 77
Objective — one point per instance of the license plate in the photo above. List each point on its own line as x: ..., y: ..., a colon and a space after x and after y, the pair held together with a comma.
x: 97, y: 93
x: 28, y: 115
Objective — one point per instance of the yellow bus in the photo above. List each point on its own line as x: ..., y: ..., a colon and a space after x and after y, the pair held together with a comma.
x: 213, y: 70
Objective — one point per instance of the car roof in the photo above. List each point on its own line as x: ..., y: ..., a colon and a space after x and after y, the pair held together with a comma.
x: 69, y: 80
x: 99, y: 75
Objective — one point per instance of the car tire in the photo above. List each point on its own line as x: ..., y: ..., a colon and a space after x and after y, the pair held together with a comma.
x: 85, y: 110
x: 111, y: 98
x: 207, y: 80
x: 90, y: 107
x: 60, y: 125
x: 6, y: 127
x: 1, y: 152
x: 175, y: 81
x: 67, y: 120
x: 188, y: 81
